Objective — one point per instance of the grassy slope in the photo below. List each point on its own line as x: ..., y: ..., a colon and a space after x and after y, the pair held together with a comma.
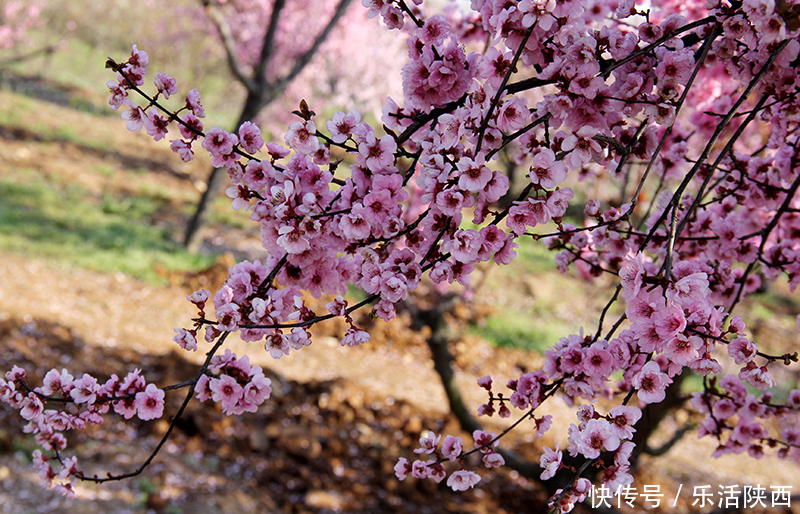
x: 76, y: 188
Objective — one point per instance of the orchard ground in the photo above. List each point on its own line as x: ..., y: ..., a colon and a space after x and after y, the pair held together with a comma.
x: 92, y: 281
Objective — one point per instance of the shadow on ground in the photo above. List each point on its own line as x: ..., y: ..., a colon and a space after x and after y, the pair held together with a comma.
x: 312, y: 448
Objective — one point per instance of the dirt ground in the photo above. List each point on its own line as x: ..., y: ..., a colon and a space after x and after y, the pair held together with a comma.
x: 325, y: 442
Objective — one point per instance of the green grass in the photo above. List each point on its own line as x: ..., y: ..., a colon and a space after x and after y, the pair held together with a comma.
x: 518, y: 332
x: 65, y: 223
x: 532, y: 257
x: 515, y: 325
x: 221, y: 212
x: 22, y: 112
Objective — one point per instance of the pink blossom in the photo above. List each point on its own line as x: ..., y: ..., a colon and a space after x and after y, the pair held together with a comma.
x: 586, y: 86
x: 227, y: 391
x: 402, y: 468
x: 337, y: 306
x: 631, y: 275
x: 191, y: 128
x: 119, y: 95
x: 32, y: 407
x: 354, y: 226
x: 616, y: 477
x: 669, y: 321
x: 292, y: 240
x: 186, y: 339
x: 228, y: 317
x: 450, y: 202
x: 474, y: 175
x: 759, y: 378
x: 485, y: 440
x: 135, y: 116
x: 375, y: 153
x: 485, y: 382
x: 622, y: 420
x: 240, y: 196
x: 428, y: 444
x: 465, y: 245
x: 724, y: 409
x: 183, y: 149
x: 342, y: 125
x: 742, y: 350
x: 84, y: 389
x: 258, y: 389
x: 302, y: 137
x: 597, y: 361
x: 355, y: 337
x: 203, y: 388
x: 651, y: 383
x: 219, y: 143
x: 435, y: 30
x: 582, y: 147
x: 794, y: 399
x: 420, y: 469
x: 250, y: 137
x: 683, y: 350
x: 149, y: 403
x: 299, y: 337
x: 493, y: 460
x: 596, y: 437
x: 546, y: 171
x: 550, y: 462
x: 463, y: 480
x: 543, y: 425
x: 452, y: 447
x: 434, y: 79
x: 496, y: 187
x: 165, y: 84
x: 55, y: 382
x: 277, y: 345
x: 689, y: 289
x: 193, y: 103
x: 513, y: 114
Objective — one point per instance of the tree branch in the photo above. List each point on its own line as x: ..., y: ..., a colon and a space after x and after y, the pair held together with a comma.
x: 229, y: 44
x: 259, y: 71
x: 279, y: 85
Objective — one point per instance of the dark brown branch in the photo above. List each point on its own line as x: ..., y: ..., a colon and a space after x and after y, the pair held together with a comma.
x: 303, y: 61
x: 228, y: 44
x: 501, y: 89
x: 267, y: 45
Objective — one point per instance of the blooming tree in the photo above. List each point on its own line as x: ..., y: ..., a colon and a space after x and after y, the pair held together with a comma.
x: 16, y: 19
x: 694, y: 102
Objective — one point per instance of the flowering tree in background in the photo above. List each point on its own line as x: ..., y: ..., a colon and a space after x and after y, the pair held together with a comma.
x: 16, y: 18
x: 695, y: 103
x: 274, y: 47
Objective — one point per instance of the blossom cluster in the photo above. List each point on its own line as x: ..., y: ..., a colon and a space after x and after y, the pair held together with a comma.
x: 238, y: 388
x: 452, y: 449
x: 693, y: 102
x: 64, y: 403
